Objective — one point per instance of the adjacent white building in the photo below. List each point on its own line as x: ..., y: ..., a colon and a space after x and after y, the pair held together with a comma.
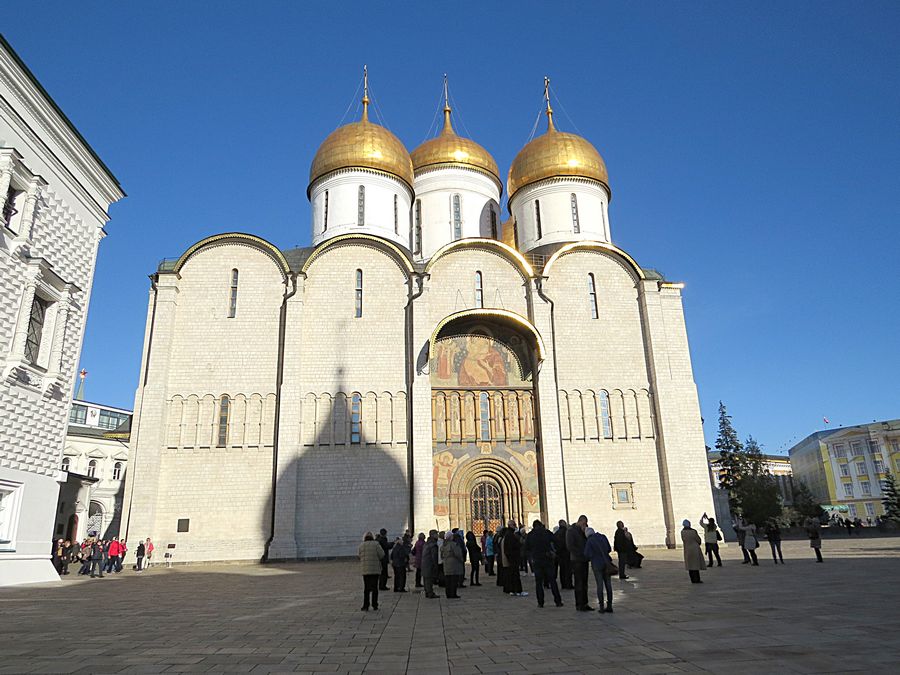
x: 54, y: 197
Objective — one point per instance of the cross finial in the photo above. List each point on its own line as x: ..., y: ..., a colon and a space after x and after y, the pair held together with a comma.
x: 550, y: 126
x: 365, y: 98
x: 448, y: 128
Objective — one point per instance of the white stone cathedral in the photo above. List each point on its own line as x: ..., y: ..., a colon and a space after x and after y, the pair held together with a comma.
x: 422, y: 365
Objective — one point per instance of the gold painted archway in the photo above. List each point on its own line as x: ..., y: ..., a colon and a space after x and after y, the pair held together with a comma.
x: 494, y: 472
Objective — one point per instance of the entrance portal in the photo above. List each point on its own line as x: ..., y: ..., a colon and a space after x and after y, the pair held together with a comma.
x: 487, y: 507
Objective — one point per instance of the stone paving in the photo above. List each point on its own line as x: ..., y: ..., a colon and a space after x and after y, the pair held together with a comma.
x: 840, y: 616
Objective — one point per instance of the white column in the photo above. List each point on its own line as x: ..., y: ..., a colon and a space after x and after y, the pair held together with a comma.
x: 21, y: 334
x: 29, y: 208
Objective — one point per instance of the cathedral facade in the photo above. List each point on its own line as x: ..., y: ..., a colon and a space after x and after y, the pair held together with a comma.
x: 422, y: 365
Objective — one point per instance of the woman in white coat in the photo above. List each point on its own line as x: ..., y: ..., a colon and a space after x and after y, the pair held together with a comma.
x: 693, y: 554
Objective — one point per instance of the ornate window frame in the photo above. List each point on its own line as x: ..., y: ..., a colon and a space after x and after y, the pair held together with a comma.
x: 620, y: 490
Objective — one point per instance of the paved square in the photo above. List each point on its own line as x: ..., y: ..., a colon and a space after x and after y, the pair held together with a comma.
x: 840, y: 616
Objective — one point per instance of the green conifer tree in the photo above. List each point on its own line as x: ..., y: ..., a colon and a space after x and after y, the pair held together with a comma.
x: 730, y: 458
x: 891, y: 499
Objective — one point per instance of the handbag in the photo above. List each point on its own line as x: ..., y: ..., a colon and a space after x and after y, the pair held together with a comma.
x: 611, y: 569
x: 718, y: 536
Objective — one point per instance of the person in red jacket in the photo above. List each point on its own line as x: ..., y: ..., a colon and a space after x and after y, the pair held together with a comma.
x: 123, y: 549
x: 115, y: 549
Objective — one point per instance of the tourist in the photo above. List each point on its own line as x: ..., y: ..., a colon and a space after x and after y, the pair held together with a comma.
x: 85, y: 556
x: 385, y: 547
x: 540, y: 549
x: 461, y: 543
x: 512, y: 558
x: 597, y: 550
x: 139, y: 554
x: 97, y: 554
x: 69, y: 551
x: 738, y: 527
x: 371, y: 556
x: 418, y: 548
x: 498, y: 554
x: 773, y: 534
x: 487, y: 543
x: 751, y: 541
x: 693, y: 554
x: 430, y: 562
x: 113, y: 556
x: 56, y: 554
x: 123, y: 549
x: 407, y: 542
x: 634, y: 560
x: 148, y: 548
x: 562, y: 557
x: 454, y: 567
x: 849, y: 525
x: 399, y: 560
x: 711, y: 537
x: 624, y: 548
x: 474, y: 558
x: 813, y: 531
x: 575, y: 542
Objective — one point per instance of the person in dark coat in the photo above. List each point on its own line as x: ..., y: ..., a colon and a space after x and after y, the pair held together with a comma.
x: 399, y: 561
x: 417, y: 549
x: 512, y: 555
x: 597, y: 550
x: 97, y: 554
x: 488, y: 546
x: 773, y: 534
x: 498, y: 554
x: 575, y: 542
x: 562, y: 557
x: 57, y: 550
x: 474, y: 558
x: 624, y: 548
x: 430, y: 557
x: 460, y: 541
x: 540, y: 549
x: 386, y: 547
x: 454, y: 566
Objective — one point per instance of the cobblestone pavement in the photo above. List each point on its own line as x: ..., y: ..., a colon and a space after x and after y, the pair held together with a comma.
x: 840, y: 616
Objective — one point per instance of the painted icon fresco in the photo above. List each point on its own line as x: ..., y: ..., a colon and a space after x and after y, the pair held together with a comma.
x: 475, y: 361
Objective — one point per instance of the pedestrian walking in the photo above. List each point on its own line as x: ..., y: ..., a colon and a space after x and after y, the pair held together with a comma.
x: 148, y: 549
x: 773, y: 534
x: 139, y: 554
x: 430, y: 557
x: 371, y: 554
x: 597, y: 550
x: 454, y: 567
x: 742, y: 535
x: 474, y: 558
x: 575, y: 542
x: 562, y: 557
x: 693, y: 554
x: 418, y: 548
x: 540, y: 549
x: 399, y: 561
x: 624, y: 548
x: 97, y: 554
x: 751, y: 542
x: 711, y: 538
x: 813, y: 531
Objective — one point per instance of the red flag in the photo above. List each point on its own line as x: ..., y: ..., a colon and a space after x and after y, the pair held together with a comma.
x: 825, y: 419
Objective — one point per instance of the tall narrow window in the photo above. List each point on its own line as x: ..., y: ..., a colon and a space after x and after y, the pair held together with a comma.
x: 417, y: 244
x: 575, y: 226
x: 325, y: 221
x: 224, y: 410
x: 232, y: 303
x: 117, y: 471
x: 359, y: 291
x: 605, y: 420
x: 493, y: 224
x: 35, y: 328
x: 92, y: 468
x: 592, y: 294
x: 396, y: 217
x: 457, y: 218
x: 479, y: 290
x: 355, y: 418
x: 361, y: 206
x: 537, y: 217
x: 485, y: 413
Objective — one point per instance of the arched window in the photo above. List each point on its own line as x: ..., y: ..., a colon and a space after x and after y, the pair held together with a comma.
x: 592, y: 294
x: 359, y: 293
x: 479, y: 290
x: 417, y: 243
x: 457, y: 218
x: 537, y: 217
x: 232, y: 303
x: 92, y: 468
x: 493, y: 224
x: 605, y: 420
x: 325, y: 221
x: 355, y: 418
x: 361, y: 206
x: 117, y: 471
x: 485, y: 414
x: 65, y: 463
x: 224, y: 410
x: 396, y: 217
x: 575, y: 226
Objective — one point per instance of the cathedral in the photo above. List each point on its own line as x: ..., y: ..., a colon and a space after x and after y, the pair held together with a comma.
x: 424, y: 364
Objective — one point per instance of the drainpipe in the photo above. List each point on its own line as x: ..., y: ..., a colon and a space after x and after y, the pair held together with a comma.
x: 410, y: 365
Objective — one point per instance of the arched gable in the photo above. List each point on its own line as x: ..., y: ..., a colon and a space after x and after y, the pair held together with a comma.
x: 398, y: 255
x: 598, y: 247
x: 496, y: 314
x: 490, y: 245
x: 240, y: 239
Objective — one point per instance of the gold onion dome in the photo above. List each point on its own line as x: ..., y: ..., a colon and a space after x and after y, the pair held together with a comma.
x: 450, y: 149
x: 364, y: 145
x: 555, y: 154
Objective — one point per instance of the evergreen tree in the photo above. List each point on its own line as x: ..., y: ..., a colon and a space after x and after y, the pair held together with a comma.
x: 891, y: 499
x: 730, y: 457
x: 756, y: 488
x: 805, y: 503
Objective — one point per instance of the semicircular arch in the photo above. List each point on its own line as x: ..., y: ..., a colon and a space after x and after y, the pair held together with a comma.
x: 502, y: 315
x: 399, y: 256
x: 240, y: 239
x: 597, y: 247
x: 492, y: 245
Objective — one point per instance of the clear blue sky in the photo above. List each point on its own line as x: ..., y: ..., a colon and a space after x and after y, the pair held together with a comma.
x: 753, y: 152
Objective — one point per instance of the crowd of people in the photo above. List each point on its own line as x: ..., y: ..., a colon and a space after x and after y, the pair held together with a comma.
x: 558, y: 560
x: 95, y: 556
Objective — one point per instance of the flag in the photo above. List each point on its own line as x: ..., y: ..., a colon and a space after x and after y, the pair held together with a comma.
x: 825, y: 419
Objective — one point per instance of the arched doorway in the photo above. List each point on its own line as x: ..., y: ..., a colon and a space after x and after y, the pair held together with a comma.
x: 486, y: 507
x: 95, y: 519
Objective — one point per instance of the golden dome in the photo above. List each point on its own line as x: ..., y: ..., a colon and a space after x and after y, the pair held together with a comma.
x: 362, y: 144
x: 555, y: 154
x: 450, y: 149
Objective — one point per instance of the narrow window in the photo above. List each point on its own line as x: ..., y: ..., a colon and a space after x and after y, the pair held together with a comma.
x: 35, y: 328
x: 493, y: 224
x: 396, y: 217
x: 92, y: 468
x: 417, y: 244
x: 359, y: 291
x: 485, y: 409
x: 232, y: 304
x: 457, y: 218
x: 117, y: 471
x: 9, y: 207
x: 605, y: 420
x: 325, y: 223
x: 355, y: 418
x: 479, y: 290
x: 592, y: 293
x: 361, y: 206
x: 224, y: 409
x: 537, y: 217
x: 65, y: 464
x: 575, y: 226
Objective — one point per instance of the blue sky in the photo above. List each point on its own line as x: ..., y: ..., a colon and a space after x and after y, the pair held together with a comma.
x: 753, y: 152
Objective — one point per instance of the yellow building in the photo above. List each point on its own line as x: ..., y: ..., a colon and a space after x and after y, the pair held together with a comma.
x: 844, y: 467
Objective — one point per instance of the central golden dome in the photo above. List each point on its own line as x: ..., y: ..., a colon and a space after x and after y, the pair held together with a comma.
x: 450, y: 149
x: 555, y: 154
x: 365, y: 145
